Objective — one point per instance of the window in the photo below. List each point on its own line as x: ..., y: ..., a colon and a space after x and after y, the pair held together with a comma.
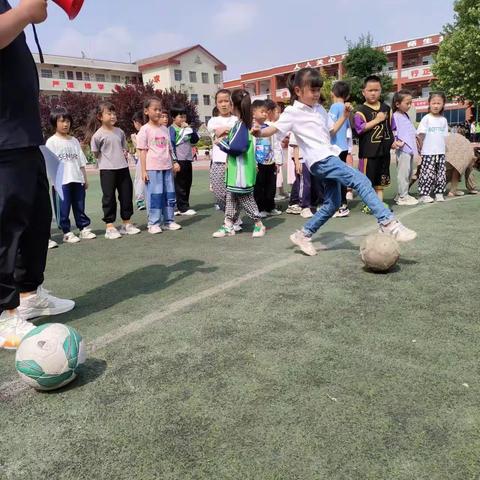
x: 69, y: 75
x: 79, y: 75
x: 100, y: 77
x: 194, y: 98
x: 205, y: 78
x: 116, y: 78
x: 178, y: 75
x: 193, y: 77
x: 46, y: 73
x: 61, y: 74
x: 217, y: 78
x: 206, y: 100
x: 86, y: 76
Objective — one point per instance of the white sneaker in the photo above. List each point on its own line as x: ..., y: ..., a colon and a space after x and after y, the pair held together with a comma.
x: 237, y: 226
x: 294, y: 209
x: 407, y: 200
x: 129, y: 229
x: 87, y: 234
x: 259, y: 231
x: 112, y: 233
x: 42, y: 303
x: 274, y: 213
x: 426, y: 199
x: 439, y: 197
x: 398, y: 231
x: 189, y: 213
x: 70, y: 237
x: 342, y: 212
x: 172, y: 226
x: 224, y: 231
x: 52, y: 244
x: 306, y: 213
x: 305, y: 243
x: 154, y: 229
x: 13, y: 327
x: 263, y: 214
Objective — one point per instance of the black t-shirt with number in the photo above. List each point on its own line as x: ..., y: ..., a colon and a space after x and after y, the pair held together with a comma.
x: 19, y: 91
x: 378, y: 141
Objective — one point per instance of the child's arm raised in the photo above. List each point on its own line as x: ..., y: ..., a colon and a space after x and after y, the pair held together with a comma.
x: 236, y: 145
x: 362, y: 126
x: 342, y: 119
x: 13, y: 22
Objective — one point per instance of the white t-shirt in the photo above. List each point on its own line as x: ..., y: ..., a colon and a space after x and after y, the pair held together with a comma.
x: 292, y: 142
x: 217, y: 122
x: 435, y: 129
x: 70, y: 153
x: 311, y: 127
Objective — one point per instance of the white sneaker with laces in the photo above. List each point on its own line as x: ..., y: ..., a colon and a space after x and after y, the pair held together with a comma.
x: 87, y: 234
x: 129, y: 229
x: 189, y: 213
x: 426, y: 199
x: 172, y: 226
x: 52, y: 244
x: 398, y: 231
x: 237, y: 226
x: 439, y: 197
x: 70, y: 237
x: 154, y: 229
x: 42, y: 303
x: 294, y: 209
x: 407, y: 200
x: 13, y: 327
x: 112, y: 233
x: 274, y: 213
x: 305, y: 243
x: 263, y: 214
x: 224, y: 231
x: 306, y: 213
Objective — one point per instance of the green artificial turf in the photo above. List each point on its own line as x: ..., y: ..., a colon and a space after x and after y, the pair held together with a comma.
x: 240, y: 358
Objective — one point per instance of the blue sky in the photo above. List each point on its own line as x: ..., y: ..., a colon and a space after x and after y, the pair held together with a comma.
x: 246, y: 35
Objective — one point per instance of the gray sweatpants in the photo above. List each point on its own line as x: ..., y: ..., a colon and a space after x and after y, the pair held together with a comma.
x: 405, y: 162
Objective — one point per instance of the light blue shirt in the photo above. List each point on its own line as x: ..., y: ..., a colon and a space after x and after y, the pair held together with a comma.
x: 340, y: 138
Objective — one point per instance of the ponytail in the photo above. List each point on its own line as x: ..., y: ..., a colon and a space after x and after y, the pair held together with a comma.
x: 242, y: 102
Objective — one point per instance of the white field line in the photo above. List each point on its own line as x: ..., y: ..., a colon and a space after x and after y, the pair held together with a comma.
x: 12, y: 388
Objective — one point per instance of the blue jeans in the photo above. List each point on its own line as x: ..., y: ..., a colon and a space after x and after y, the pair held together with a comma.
x: 334, y: 173
x: 160, y: 196
x: 73, y: 199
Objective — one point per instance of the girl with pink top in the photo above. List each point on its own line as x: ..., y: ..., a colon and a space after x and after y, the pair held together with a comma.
x: 158, y: 167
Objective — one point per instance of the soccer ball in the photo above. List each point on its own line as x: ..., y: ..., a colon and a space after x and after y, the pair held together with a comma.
x: 379, y: 252
x: 49, y: 356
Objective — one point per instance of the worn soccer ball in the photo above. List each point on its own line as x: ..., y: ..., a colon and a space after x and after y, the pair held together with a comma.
x: 379, y: 252
x: 49, y: 356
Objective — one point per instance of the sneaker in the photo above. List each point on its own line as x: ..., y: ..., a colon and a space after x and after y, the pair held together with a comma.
x: 473, y: 192
x: 259, y: 231
x: 189, y: 213
x: 349, y: 195
x: 407, y: 200
x: 224, y: 231
x: 342, y: 212
x: 52, y: 244
x: 141, y: 205
x: 366, y: 210
x: 87, y: 234
x: 154, y: 229
x: 274, y: 213
x: 70, y: 237
x: 13, y: 327
x: 172, y: 226
x: 42, y: 303
x: 129, y: 229
x: 306, y: 213
x: 425, y: 199
x: 398, y: 231
x: 263, y: 214
x: 237, y: 226
x: 294, y: 209
x: 279, y: 198
x: 305, y: 243
x: 439, y: 197
x: 112, y: 233
x: 217, y: 207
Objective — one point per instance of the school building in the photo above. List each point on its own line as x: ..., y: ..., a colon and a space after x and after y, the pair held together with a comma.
x: 192, y: 70
x: 409, y: 65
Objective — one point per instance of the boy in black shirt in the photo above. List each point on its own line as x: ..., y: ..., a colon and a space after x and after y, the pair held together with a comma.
x: 25, y: 212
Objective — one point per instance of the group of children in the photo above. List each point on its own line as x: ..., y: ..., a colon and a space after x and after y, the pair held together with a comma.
x: 251, y: 142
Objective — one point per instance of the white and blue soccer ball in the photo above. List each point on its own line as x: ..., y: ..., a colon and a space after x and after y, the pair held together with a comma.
x: 49, y: 356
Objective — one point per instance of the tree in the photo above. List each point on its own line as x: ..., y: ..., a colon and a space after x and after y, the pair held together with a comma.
x: 457, y: 63
x: 364, y: 59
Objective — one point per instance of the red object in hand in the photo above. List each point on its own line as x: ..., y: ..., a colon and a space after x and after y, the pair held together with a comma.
x: 71, y: 7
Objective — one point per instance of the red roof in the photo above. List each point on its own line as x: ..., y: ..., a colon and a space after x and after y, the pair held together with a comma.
x: 172, y: 58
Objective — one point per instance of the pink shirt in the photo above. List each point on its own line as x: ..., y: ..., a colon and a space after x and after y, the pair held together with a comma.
x: 156, y: 141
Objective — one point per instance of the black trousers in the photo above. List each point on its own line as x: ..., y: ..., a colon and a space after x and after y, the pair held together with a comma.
x: 183, y: 185
x: 266, y: 187
x: 25, y: 220
x: 113, y: 181
x: 343, y: 157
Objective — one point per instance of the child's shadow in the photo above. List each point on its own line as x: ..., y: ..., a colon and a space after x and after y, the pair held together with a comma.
x: 336, y: 241
x: 142, y: 281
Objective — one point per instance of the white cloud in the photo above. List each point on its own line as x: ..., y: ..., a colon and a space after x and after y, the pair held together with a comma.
x: 114, y: 43
x: 234, y: 17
